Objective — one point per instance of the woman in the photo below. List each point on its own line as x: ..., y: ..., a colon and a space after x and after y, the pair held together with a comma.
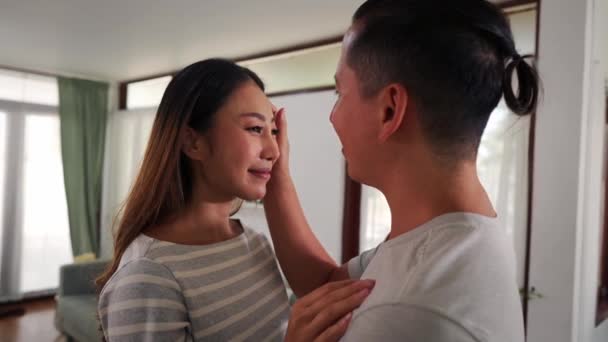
x: 182, y: 269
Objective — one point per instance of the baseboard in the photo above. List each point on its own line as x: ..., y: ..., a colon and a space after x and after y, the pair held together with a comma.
x: 13, y: 311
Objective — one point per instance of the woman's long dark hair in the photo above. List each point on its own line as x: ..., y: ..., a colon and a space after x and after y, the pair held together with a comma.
x: 163, y: 185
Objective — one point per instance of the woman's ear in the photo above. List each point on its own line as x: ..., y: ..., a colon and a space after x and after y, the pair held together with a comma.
x: 395, y: 101
x: 194, y: 144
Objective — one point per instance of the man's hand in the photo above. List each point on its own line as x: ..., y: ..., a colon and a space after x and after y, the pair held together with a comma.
x: 324, y: 314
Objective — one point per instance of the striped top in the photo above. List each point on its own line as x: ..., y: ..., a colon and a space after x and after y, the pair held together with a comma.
x: 227, y: 291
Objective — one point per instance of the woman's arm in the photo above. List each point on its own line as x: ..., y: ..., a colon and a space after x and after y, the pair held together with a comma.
x: 304, y: 261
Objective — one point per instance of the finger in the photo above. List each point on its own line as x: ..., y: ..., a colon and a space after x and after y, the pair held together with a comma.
x: 320, y: 292
x: 334, y: 311
x: 281, y: 121
x: 339, y: 294
x: 308, y: 313
x: 282, y: 138
x: 336, y: 330
x: 274, y: 108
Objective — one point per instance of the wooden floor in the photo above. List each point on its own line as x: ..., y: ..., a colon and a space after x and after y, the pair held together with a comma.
x: 36, y: 324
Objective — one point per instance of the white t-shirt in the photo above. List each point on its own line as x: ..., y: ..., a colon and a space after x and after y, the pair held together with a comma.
x: 451, y: 279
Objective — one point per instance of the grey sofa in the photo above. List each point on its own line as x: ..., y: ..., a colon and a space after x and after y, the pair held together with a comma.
x: 76, y: 312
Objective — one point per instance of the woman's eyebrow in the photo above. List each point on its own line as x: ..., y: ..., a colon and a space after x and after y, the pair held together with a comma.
x: 257, y: 116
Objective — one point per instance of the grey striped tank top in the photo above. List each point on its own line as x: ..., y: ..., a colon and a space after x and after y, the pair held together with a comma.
x: 227, y: 291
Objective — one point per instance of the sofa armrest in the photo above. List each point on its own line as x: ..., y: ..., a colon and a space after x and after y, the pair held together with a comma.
x: 79, y: 279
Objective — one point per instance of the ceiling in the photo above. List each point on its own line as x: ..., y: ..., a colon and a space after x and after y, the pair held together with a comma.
x: 126, y: 39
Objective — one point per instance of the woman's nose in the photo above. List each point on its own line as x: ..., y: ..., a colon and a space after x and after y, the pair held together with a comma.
x: 271, y: 148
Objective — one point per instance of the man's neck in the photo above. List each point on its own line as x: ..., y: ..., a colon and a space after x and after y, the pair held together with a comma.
x: 417, y: 196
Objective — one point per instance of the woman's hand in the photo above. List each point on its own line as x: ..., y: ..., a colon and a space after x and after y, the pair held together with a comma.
x: 281, y: 167
x: 324, y: 314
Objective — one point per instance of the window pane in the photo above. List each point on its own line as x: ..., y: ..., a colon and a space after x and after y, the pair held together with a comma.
x: 302, y: 69
x: 11, y: 85
x: 41, y: 90
x: 28, y: 88
x: 46, y: 242
x: 375, y: 218
x: 146, y: 93
x: 523, y: 25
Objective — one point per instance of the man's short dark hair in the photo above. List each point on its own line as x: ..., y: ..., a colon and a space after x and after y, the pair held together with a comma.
x: 456, y: 59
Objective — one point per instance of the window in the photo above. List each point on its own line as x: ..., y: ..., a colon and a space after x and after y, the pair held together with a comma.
x: 148, y: 93
x: 309, y: 68
x: 375, y: 218
x: 45, y: 220
x: 34, y: 222
x: 303, y: 68
x: 28, y: 88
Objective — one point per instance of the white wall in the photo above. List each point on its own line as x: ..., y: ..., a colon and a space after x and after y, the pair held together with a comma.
x: 568, y: 167
x: 317, y: 164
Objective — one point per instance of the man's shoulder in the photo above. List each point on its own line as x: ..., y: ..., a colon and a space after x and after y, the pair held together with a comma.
x: 460, y: 243
x: 401, y: 321
x: 450, y: 265
x: 458, y: 271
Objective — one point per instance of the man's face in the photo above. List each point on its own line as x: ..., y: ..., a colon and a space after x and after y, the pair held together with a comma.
x: 354, y: 117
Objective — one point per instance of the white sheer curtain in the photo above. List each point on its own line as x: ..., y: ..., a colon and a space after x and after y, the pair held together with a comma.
x: 127, y: 136
x: 503, y: 169
x: 34, y: 228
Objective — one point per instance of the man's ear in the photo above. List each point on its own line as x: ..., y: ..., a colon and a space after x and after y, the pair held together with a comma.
x: 394, y: 100
x: 194, y: 144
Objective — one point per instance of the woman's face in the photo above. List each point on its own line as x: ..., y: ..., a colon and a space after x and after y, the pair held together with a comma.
x: 240, y: 148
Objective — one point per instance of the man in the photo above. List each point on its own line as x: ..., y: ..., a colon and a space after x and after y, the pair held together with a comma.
x: 416, y: 83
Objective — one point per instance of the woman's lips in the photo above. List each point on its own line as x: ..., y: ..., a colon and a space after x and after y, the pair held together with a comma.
x: 261, y: 173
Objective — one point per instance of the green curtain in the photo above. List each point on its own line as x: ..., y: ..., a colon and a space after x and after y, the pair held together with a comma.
x: 83, y: 112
